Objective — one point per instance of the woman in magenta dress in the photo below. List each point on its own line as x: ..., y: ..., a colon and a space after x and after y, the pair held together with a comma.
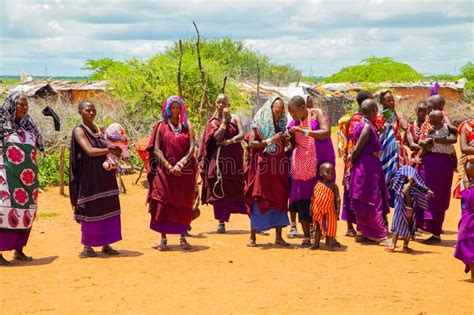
x: 369, y: 195
x: 93, y: 190
x: 221, y: 163
x: 172, y: 176
x: 313, y: 146
x: 267, y: 182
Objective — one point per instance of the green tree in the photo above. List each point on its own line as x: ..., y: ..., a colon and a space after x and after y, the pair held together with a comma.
x: 377, y: 70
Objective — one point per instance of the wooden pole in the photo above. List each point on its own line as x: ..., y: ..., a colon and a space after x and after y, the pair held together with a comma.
x: 223, y: 85
x: 204, y: 97
x: 258, y: 85
x: 61, y: 170
x: 180, y: 87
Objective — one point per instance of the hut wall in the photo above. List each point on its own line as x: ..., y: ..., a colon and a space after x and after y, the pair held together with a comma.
x: 412, y: 96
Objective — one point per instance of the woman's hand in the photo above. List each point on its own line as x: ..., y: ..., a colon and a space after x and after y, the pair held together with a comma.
x: 296, y: 130
x: 226, y: 114
x: 278, y: 137
x: 175, y: 170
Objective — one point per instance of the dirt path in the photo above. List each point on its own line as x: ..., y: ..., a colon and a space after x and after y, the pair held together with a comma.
x: 222, y: 275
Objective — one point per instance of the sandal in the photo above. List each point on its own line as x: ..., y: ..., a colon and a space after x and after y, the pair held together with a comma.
x: 19, y: 255
x: 184, y: 244
x: 252, y: 243
x: 221, y: 228
x: 109, y: 250
x: 4, y: 262
x: 433, y: 240
x: 306, y: 242
x: 351, y: 233
x: 163, y: 246
x: 87, y: 252
x: 281, y: 242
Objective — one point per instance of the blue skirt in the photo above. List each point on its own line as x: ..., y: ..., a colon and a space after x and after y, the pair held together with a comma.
x: 271, y: 219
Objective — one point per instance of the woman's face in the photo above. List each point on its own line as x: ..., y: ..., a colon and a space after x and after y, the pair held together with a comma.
x: 388, y: 101
x: 88, y: 113
x: 298, y: 113
x: 278, y: 109
x: 175, y: 110
x: 21, y: 108
x: 221, y: 103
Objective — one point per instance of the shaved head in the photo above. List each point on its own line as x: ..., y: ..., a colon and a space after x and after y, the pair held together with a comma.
x: 368, y: 106
x: 436, y: 102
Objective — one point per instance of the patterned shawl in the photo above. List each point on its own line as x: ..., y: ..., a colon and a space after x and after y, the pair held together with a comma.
x: 263, y: 122
x: 166, y: 113
x: 8, y: 123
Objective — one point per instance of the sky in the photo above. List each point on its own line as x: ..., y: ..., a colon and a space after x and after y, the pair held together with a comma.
x: 54, y: 38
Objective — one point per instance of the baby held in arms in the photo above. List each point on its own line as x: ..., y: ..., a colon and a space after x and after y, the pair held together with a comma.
x: 117, y: 140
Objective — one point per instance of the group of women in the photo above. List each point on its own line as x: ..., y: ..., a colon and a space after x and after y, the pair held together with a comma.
x: 264, y: 173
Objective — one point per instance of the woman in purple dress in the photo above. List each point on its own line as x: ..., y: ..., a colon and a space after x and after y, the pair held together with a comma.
x: 19, y: 141
x: 311, y: 134
x: 93, y: 190
x: 369, y: 195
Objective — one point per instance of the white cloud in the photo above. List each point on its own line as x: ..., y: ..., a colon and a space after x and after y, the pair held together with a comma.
x: 315, y: 36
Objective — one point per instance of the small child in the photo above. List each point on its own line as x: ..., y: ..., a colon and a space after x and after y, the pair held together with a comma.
x: 116, y: 139
x: 325, y: 207
x: 465, y: 244
x: 410, y: 192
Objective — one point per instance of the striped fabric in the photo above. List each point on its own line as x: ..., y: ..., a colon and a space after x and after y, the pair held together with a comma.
x: 463, y: 158
x: 323, y: 206
x: 389, y: 154
x: 419, y: 195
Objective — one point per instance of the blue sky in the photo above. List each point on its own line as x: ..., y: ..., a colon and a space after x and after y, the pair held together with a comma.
x: 317, y: 37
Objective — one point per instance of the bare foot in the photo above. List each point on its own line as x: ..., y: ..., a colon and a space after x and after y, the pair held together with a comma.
x: 351, y: 233
x: 390, y: 249
x: 252, y: 243
x: 407, y: 250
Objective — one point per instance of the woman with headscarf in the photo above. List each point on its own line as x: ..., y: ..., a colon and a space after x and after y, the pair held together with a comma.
x: 172, y: 175
x: 19, y: 141
x: 221, y: 163
x: 93, y: 190
x: 311, y: 132
x: 267, y: 185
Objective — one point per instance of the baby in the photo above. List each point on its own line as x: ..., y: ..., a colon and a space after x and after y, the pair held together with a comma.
x: 116, y: 139
x: 439, y: 130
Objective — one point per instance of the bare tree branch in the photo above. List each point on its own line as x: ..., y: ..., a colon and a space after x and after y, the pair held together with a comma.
x: 180, y: 87
x: 204, y: 98
x: 223, y: 85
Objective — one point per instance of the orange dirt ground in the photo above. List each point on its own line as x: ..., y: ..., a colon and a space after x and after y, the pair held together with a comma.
x: 222, y: 274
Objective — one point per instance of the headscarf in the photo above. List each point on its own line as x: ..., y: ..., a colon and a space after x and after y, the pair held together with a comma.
x: 8, y: 123
x: 263, y: 122
x: 166, y: 113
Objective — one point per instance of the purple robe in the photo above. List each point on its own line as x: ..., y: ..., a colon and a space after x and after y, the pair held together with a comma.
x: 369, y: 195
x: 437, y: 171
x: 465, y: 245
x: 94, y: 194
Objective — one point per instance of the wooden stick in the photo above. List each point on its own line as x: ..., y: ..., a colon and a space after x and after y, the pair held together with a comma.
x: 223, y: 85
x: 180, y: 87
x: 61, y: 170
x: 140, y: 175
x: 204, y: 97
x: 258, y: 84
